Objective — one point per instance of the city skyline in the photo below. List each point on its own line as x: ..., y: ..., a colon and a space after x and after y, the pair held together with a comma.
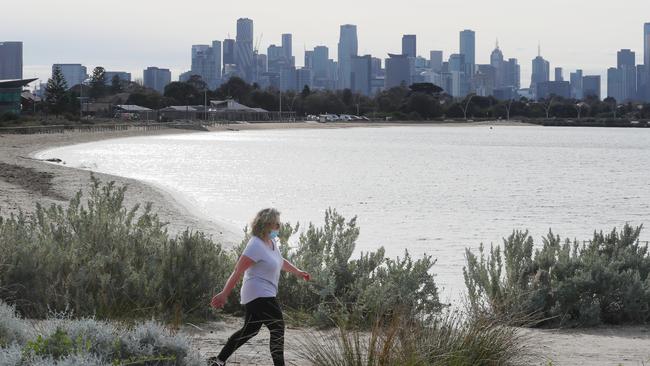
x: 132, y: 47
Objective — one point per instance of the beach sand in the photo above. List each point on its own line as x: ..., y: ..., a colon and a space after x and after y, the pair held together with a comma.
x: 25, y: 181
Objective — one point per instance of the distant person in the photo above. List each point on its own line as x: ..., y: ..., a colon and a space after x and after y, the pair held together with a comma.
x: 260, y: 264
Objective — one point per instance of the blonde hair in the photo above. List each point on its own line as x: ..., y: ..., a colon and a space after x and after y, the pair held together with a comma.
x: 261, y: 222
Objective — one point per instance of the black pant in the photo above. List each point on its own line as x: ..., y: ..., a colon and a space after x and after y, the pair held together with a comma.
x: 263, y: 310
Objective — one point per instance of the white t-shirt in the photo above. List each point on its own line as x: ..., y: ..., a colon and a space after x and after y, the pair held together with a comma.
x: 261, y: 279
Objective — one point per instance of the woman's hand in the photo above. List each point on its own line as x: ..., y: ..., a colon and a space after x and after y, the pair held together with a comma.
x: 304, y: 275
x: 219, y: 300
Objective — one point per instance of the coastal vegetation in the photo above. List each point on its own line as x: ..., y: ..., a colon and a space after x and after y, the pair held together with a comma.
x: 563, y: 283
x: 99, y: 258
x: 60, y: 340
x: 421, y: 101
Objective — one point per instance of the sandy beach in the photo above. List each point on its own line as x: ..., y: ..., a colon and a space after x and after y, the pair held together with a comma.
x: 25, y: 181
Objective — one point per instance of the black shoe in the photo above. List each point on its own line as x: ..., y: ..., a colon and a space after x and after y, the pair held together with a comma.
x: 214, y: 361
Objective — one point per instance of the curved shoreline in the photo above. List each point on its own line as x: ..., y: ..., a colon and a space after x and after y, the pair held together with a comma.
x: 54, y: 183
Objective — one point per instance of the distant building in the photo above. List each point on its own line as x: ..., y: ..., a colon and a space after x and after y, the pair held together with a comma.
x: 157, y: 79
x: 460, y: 81
x: 288, y: 78
x: 206, y: 62
x: 320, y: 60
x: 541, y: 71
x: 122, y: 75
x: 646, y: 60
x: 484, y: 80
x: 287, y: 47
x: 360, y: 79
x: 228, y: 52
x: 558, y: 74
x: 304, y: 77
x: 512, y: 74
x: 576, y: 85
x: 398, y: 71
x: 74, y: 74
x: 641, y: 78
x: 591, y: 86
x: 435, y: 60
x: 309, y: 59
x: 376, y: 70
x: 348, y: 47
x: 11, y: 60
x: 547, y: 89
x: 496, y: 61
x: 468, y: 49
x: 626, y: 63
x: 276, y: 59
x: 244, y: 48
x: 409, y: 45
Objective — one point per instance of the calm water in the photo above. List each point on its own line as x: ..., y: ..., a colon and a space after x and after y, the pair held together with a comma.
x: 434, y: 190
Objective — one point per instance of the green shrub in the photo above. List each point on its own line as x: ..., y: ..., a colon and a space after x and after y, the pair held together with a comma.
x: 63, y: 341
x: 604, y: 280
x: 357, y: 290
x: 100, y: 259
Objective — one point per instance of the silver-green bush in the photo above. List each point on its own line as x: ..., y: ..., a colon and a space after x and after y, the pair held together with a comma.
x: 605, y: 280
x: 100, y: 259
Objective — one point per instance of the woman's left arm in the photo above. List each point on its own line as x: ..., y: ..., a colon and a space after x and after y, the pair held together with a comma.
x: 289, y: 267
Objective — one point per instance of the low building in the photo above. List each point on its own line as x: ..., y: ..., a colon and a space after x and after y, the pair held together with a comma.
x: 11, y: 95
x: 230, y: 110
x: 133, y: 112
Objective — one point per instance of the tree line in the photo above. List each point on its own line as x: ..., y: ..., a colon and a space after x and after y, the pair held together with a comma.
x: 420, y: 101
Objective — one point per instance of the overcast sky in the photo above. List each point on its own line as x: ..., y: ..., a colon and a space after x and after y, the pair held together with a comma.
x: 129, y: 35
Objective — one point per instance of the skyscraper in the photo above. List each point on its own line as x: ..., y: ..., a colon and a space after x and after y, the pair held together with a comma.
x: 275, y: 57
x: 646, y: 59
x: 11, y: 60
x: 459, y: 79
x: 512, y: 74
x: 244, y: 48
x: 409, y: 45
x: 228, y: 51
x: 435, y: 60
x: 156, y: 78
x: 206, y: 62
x: 559, y: 74
x: 348, y: 47
x: 625, y: 76
x: 361, y: 74
x: 287, y: 46
x: 541, y: 71
x: 320, y: 63
x: 398, y: 71
x: 591, y: 86
x: 496, y: 61
x: 468, y: 49
x: 576, y: 85
x: 309, y: 59
x: 74, y: 74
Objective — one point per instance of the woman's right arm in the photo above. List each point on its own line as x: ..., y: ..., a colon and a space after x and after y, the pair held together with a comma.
x: 242, y: 265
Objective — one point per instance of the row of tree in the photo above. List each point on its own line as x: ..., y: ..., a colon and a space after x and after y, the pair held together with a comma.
x: 422, y: 101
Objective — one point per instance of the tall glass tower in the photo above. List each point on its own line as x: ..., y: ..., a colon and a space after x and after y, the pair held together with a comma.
x: 348, y: 47
x: 468, y: 48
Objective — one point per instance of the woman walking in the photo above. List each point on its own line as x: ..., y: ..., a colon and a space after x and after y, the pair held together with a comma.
x: 260, y: 264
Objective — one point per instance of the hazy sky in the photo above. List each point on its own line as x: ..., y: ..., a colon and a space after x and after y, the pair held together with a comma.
x: 130, y: 35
